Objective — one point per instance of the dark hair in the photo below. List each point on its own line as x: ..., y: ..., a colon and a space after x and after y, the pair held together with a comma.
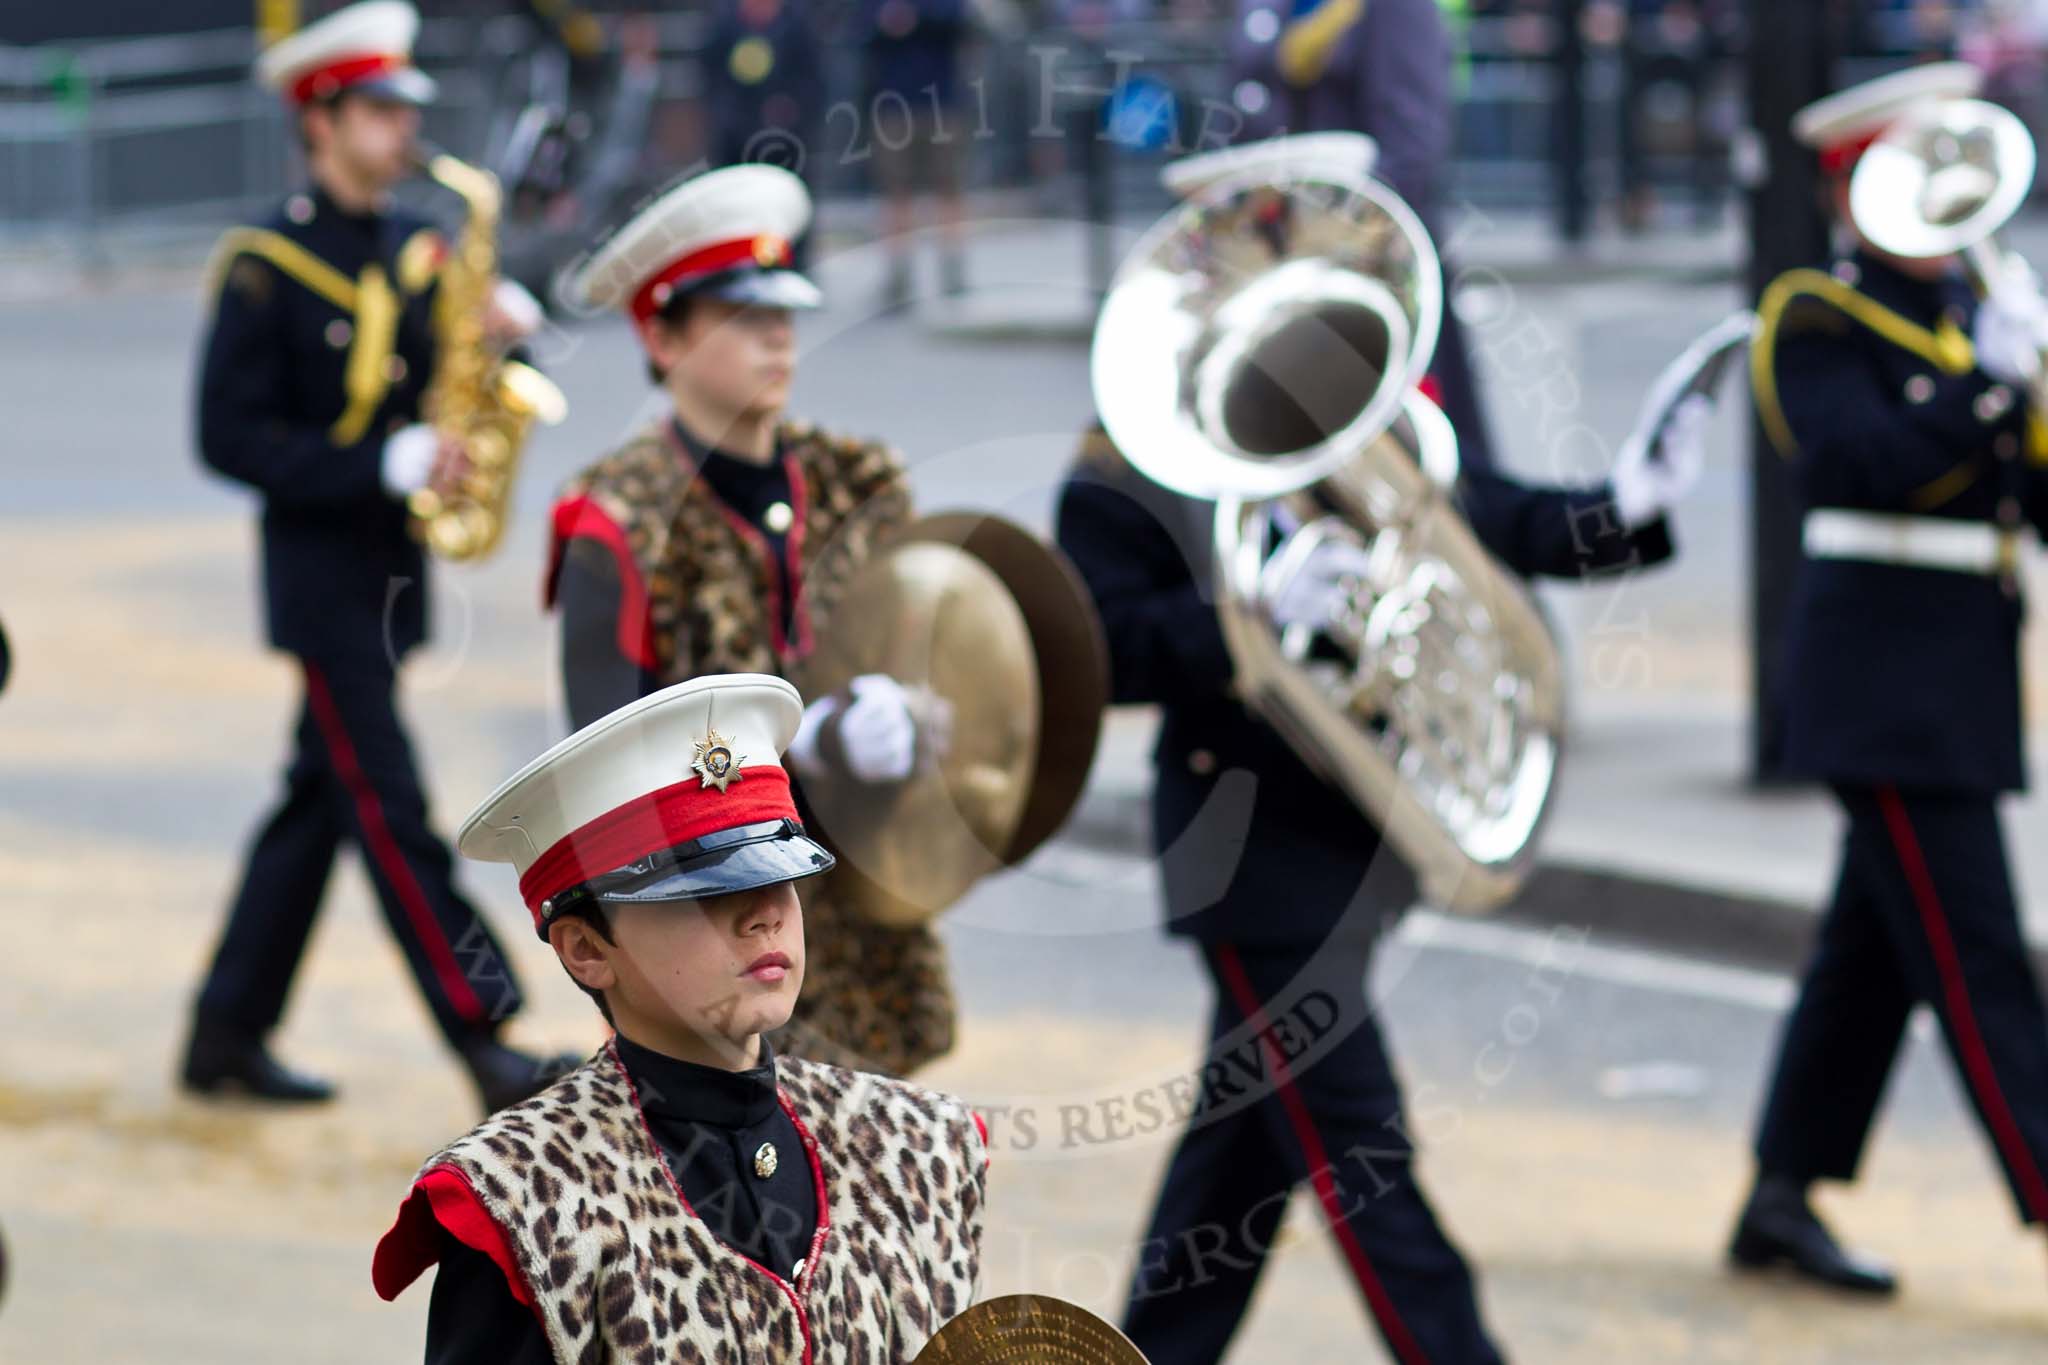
x: 331, y: 104
x: 593, y: 915
x: 670, y: 314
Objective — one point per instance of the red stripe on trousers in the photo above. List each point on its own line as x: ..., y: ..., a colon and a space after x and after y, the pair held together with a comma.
x: 1969, y: 1040
x: 384, y: 850
x: 1398, y: 1336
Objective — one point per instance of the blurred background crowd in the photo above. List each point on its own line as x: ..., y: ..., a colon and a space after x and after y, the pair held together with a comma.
x: 127, y: 113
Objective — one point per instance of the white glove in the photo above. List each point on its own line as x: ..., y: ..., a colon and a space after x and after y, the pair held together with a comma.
x: 2012, y: 324
x: 1648, y: 484
x: 877, y: 732
x: 1319, y: 589
x: 518, y: 310
x: 408, y: 459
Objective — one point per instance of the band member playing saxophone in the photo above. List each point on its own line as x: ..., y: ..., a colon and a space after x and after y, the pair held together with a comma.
x: 1279, y: 880
x: 716, y: 539
x: 1903, y: 399
x: 321, y: 345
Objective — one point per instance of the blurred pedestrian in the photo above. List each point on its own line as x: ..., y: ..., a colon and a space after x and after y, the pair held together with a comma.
x: 320, y: 348
x: 765, y: 89
x: 1382, y: 68
x: 1902, y: 399
x: 917, y: 129
x: 1668, y: 46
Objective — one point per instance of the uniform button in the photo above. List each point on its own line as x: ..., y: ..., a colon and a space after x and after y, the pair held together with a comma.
x: 299, y: 209
x: 1919, y: 390
x: 2009, y: 511
x: 1993, y: 403
x: 394, y: 369
x: 778, y: 518
x: 1848, y: 274
x: 339, y: 333
x: 2007, y: 446
x: 1201, y: 762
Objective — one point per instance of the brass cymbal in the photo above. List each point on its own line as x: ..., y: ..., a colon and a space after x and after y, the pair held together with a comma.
x: 1028, y: 1329
x: 976, y: 617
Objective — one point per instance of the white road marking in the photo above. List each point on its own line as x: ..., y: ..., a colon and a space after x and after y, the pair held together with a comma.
x: 1565, y: 951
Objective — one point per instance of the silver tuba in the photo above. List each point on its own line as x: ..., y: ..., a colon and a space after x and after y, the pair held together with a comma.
x: 1945, y: 180
x: 1261, y: 347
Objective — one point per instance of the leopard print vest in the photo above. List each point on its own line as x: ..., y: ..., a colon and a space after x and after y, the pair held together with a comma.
x: 620, y: 1268
x: 713, y: 590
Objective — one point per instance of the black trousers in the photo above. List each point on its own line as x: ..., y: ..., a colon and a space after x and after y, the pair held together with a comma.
x: 1923, y: 914
x: 1297, y: 1087
x: 353, y: 779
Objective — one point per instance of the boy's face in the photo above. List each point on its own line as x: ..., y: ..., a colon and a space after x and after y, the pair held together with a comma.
x: 369, y: 136
x: 729, y: 358
x: 721, y: 970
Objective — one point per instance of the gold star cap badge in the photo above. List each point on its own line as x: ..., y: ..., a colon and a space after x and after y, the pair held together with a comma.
x: 766, y: 1160
x: 715, y: 763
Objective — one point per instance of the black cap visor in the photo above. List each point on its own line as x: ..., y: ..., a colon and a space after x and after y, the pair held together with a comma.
x: 405, y: 85
x: 742, y: 859
x: 755, y: 287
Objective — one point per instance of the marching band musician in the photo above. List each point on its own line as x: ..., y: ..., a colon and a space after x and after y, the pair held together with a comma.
x: 712, y: 540
x: 1285, y: 899
x: 671, y: 1199
x: 1919, y: 463
x: 309, y: 392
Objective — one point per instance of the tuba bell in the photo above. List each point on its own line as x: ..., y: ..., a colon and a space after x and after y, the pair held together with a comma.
x: 1260, y: 347
x: 1944, y: 181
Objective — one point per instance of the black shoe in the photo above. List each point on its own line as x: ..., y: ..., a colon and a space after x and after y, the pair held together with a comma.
x: 1779, y: 1228
x: 505, y: 1075
x: 222, y: 1060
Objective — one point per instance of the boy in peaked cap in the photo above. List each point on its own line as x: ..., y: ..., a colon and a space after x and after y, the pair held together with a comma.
x: 687, y: 1193
x: 719, y: 535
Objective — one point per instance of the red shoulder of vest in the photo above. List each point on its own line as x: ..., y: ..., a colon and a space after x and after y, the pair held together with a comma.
x: 581, y: 516
x: 441, y: 1201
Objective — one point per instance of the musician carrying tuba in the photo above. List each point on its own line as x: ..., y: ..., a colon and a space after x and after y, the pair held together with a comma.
x: 1355, y: 690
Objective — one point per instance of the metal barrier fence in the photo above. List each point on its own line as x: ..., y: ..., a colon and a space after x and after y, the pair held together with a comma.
x: 169, y: 134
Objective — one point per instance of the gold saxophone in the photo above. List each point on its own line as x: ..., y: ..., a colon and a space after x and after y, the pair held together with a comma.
x: 477, y: 397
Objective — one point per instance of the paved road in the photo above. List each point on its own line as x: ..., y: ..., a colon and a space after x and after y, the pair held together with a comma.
x: 1585, y: 1107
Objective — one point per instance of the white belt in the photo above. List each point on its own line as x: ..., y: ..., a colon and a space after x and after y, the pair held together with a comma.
x: 1975, y: 547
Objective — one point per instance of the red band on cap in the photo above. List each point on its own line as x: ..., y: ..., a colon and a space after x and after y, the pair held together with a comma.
x: 335, y: 77
x: 676, y: 814
x: 762, y: 249
x: 1843, y: 156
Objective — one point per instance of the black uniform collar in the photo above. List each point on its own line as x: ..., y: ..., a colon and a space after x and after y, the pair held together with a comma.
x: 1906, y: 294
x: 692, y: 1093
x: 708, y: 458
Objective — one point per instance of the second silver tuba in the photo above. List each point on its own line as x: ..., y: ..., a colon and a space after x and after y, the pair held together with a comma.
x: 1260, y: 347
